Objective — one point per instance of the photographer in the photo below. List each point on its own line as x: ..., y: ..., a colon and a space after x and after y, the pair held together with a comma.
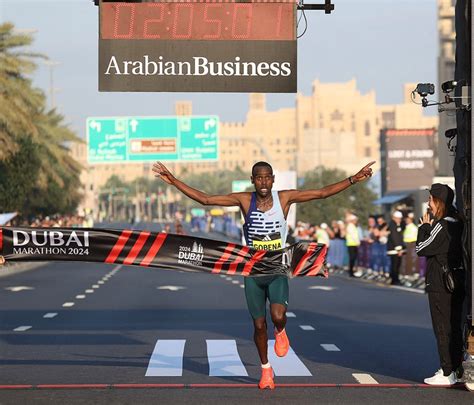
x: 439, y: 239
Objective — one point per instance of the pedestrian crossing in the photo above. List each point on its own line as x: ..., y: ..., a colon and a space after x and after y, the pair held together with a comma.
x: 223, y: 358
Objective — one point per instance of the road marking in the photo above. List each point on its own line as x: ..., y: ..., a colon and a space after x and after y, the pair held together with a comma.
x: 242, y: 286
x: 290, y: 315
x: 68, y: 304
x: 330, y: 347
x: 19, y: 288
x: 89, y: 291
x: 171, y: 287
x: 100, y: 282
x: 224, y: 359
x: 306, y: 327
x: 95, y: 286
x: 22, y: 328
x: 288, y: 366
x: 228, y: 278
x: 321, y: 287
x: 50, y: 315
x: 166, y: 359
x: 235, y: 282
x: 365, y: 378
x: 80, y: 297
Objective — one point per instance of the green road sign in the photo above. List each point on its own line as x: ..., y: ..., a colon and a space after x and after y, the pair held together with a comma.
x: 144, y: 139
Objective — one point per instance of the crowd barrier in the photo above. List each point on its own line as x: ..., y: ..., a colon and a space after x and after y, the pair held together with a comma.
x: 374, y: 256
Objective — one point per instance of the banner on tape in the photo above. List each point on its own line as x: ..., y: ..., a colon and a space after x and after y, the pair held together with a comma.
x: 159, y: 250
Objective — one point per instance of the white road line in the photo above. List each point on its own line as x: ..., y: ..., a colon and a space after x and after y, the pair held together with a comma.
x: 290, y: 315
x: 100, y: 282
x: 89, y: 291
x: 80, y: 297
x: 288, y: 366
x: 50, y: 315
x: 235, y: 282
x: 365, y: 378
x: 22, y: 328
x: 224, y: 359
x: 306, y: 327
x: 242, y: 286
x: 166, y: 359
x: 330, y: 347
x: 68, y: 304
x: 96, y: 286
x: 415, y: 290
x: 228, y: 278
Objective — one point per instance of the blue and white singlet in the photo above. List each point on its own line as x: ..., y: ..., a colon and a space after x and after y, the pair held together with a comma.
x: 265, y: 230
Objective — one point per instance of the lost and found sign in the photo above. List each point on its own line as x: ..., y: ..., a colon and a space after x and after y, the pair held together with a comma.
x: 144, y: 139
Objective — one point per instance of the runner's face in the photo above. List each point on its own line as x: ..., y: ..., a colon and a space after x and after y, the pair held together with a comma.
x: 263, y: 181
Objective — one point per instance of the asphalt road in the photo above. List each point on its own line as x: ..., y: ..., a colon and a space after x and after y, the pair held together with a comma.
x: 83, y: 323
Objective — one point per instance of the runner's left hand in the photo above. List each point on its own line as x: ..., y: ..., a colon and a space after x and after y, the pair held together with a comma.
x: 364, y: 173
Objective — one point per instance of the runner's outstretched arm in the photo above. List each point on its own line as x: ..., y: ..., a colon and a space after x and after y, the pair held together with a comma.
x: 228, y: 200
x: 299, y: 196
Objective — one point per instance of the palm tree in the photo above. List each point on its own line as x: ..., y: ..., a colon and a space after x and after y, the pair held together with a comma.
x: 17, y: 97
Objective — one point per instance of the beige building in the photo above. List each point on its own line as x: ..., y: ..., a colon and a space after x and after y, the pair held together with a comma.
x: 446, y: 65
x: 336, y: 126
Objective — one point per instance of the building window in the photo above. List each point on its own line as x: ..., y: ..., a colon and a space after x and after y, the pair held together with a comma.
x: 367, y: 152
x: 367, y: 128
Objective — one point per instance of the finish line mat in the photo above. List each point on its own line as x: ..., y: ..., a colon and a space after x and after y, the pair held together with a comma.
x: 159, y: 250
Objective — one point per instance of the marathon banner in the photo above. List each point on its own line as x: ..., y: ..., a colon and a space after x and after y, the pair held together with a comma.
x: 160, y: 250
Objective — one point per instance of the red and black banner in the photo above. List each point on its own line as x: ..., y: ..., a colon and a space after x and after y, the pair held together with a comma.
x: 159, y: 250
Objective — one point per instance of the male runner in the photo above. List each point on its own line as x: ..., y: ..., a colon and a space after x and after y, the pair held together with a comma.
x: 265, y: 227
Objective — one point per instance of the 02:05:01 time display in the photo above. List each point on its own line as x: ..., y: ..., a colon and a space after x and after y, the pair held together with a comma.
x: 198, y: 21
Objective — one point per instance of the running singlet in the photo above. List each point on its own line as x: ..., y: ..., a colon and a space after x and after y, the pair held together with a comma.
x: 265, y: 230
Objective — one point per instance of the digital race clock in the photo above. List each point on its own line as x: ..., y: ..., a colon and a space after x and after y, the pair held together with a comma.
x: 207, y: 46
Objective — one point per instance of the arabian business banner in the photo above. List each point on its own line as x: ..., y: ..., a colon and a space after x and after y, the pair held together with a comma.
x: 159, y: 250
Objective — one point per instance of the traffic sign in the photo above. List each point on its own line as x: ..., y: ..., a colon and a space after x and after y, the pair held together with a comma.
x: 144, y: 139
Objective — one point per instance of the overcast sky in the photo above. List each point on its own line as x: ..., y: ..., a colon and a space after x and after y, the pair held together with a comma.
x: 381, y: 43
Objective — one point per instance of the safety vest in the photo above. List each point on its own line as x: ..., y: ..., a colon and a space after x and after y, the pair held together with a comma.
x: 352, y: 235
x: 410, y: 233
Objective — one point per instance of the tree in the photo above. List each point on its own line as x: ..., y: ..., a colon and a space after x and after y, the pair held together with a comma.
x: 37, y: 174
x: 357, y: 199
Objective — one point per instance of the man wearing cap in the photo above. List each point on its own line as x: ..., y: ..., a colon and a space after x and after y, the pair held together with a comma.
x: 395, y: 245
x: 440, y: 241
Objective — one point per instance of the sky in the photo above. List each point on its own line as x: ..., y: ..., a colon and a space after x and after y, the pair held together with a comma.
x: 381, y: 43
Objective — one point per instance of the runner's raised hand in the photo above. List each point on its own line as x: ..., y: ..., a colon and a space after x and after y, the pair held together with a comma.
x: 163, y: 173
x: 364, y: 173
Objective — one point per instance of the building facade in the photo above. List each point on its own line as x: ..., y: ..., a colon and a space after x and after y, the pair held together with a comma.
x: 336, y: 126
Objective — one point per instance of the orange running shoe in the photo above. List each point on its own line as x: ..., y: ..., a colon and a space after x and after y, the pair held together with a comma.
x: 267, y: 379
x: 282, y: 344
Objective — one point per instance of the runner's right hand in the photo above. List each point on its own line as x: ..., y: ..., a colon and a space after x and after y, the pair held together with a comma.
x: 162, y: 172
x: 2, y: 260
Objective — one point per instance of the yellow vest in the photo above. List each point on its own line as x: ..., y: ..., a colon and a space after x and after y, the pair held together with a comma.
x: 352, y: 235
x: 410, y: 233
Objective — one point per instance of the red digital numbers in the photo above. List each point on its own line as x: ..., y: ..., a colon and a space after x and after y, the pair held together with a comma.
x: 198, y: 21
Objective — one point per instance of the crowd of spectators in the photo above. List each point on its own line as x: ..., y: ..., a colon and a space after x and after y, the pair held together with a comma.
x: 384, y: 250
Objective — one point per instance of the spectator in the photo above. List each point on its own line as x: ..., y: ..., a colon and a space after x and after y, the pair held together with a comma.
x: 322, y: 234
x: 409, y: 266
x: 440, y: 240
x: 395, y: 246
x: 352, y: 241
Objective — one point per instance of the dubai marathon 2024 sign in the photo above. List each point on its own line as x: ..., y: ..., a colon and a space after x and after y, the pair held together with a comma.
x: 198, y: 46
x: 147, y: 139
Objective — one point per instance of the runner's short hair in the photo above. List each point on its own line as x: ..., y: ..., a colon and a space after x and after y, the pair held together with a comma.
x: 261, y: 164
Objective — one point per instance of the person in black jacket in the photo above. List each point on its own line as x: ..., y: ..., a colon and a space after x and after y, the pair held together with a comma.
x: 439, y: 239
x: 395, y: 245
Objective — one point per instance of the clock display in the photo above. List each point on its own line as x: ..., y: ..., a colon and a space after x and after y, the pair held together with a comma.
x: 199, y: 21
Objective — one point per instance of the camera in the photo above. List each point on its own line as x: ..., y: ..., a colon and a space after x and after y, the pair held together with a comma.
x: 423, y: 89
x: 449, y: 86
x: 451, y: 133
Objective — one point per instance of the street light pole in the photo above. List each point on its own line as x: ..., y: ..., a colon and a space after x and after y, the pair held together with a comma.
x: 51, y: 64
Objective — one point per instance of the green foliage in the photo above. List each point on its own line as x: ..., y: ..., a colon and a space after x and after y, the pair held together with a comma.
x: 37, y: 173
x: 357, y: 198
